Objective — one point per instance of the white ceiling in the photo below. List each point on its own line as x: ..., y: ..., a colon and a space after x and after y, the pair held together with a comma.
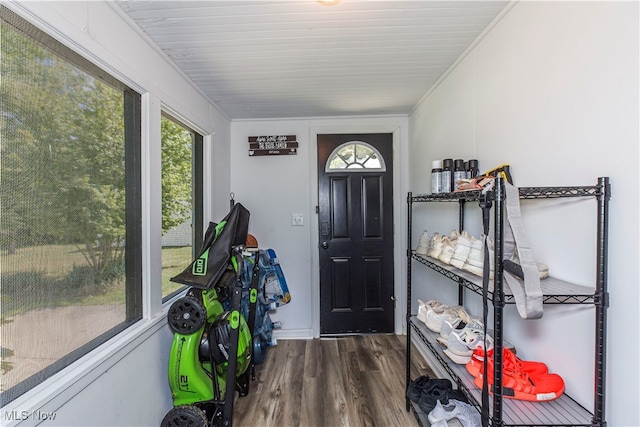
x: 284, y: 59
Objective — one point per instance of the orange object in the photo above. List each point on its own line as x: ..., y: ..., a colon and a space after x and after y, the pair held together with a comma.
x: 509, y: 361
x: 251, y: 241
x: 521, y: 380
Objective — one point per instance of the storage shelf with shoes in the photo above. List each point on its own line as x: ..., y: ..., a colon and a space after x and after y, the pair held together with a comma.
x: 557, y: 411
x: 515, y: 412
x: 555, y: 291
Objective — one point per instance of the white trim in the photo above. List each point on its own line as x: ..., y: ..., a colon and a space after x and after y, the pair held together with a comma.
x: 313, y: 230
x: 293, y: 334
x: 151, y: 204
x: 321, y: 118
x: 146, y: 195
x: 182, y: 120
x: 207, y: 178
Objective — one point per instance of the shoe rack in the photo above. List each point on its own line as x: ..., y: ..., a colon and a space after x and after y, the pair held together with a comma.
x: 503, y: 411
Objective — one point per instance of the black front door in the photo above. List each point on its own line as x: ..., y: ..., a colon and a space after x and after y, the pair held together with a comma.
x: 355, y: 218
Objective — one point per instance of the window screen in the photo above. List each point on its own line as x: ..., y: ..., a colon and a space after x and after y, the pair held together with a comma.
x: 70, y: 206
x: 181, y: 212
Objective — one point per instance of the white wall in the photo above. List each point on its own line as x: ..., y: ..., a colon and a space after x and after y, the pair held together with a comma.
x: 274, y: 187
x: 124, y: 382
x: 553, y: 91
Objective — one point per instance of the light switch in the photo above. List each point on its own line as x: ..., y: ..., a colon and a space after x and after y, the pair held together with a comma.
x: 297, y: 219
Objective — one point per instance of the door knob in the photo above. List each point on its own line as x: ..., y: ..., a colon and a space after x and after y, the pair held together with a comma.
x: 325, y: 245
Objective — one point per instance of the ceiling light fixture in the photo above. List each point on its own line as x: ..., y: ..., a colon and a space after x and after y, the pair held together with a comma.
x: 328, y: 2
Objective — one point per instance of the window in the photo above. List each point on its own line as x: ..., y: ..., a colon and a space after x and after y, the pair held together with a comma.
x: 70, y: 206
x: 181, y: 200
x: 355, y: 156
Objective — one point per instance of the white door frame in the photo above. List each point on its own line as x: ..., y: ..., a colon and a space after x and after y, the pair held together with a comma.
x: 400, y: 178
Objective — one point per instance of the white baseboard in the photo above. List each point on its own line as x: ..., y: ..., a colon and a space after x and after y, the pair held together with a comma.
x: 293, y: 334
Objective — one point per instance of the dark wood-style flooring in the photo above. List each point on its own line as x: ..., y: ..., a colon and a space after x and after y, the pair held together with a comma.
x: 346, y: 381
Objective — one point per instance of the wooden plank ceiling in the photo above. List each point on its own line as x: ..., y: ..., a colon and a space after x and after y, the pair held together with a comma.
x: 285, y: 59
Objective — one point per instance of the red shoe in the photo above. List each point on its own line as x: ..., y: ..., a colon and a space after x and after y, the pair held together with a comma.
x: 509, y: 362
x: 523, y: 386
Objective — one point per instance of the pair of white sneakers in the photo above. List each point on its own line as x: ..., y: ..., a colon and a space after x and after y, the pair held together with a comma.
x: 465, y: 252
x: 459, y: 249
x: 459, y: 332
x: 462, y: 337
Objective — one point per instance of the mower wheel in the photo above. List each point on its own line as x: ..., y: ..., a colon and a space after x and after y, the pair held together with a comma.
x: 186, y: 315
x: 185, y: 416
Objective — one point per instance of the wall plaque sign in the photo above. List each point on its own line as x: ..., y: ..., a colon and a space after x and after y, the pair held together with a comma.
x: 273, y: 145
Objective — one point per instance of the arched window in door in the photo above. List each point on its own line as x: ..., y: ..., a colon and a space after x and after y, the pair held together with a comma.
x: 355, y: 156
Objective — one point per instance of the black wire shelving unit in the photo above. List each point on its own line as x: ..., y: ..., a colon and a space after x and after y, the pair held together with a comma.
x: 507, y: 412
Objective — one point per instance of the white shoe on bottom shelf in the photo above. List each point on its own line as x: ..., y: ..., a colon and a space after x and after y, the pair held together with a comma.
x: 466, y: 414
x: 461, y: 344
x: 424, y: 307
x: 458, y: 323
x: 438, y: 315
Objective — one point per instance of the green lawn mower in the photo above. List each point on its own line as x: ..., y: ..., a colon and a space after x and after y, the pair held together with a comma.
x: 212, y: 346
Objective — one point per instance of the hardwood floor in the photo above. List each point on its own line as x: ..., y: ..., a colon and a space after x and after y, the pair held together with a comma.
x: 346, y: 381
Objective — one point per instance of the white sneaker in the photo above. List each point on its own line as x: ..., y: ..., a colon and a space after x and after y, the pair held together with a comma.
x: 462, y: 249
x: 460, y: 345
x: 437, y: 315
x: 448, y: 248
x: 424, y: 307
x: 458, y: 325
x: 423, y: 244
x: 449, y: 326
x: 466, y: 414
x: 436, y: 246
x: 475, y: 260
